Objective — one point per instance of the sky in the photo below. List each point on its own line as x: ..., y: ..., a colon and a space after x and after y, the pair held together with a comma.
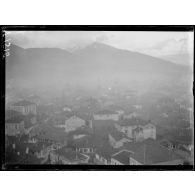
x: 150, y: 42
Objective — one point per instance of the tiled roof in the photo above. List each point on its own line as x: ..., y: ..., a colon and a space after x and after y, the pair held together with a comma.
x: 151, y: 152
x: 89, y: 142
x: 23, y: 103
x: 117, y: 135
x: 133, y: 121
x: 137, y: 130
x: 105, y: 112
x: 81, y: 130
x: 123, y: 156
x: 16, y: 119
x: 70, y: 154
x: 11, y: 155
x: 106, y: 151
x: 114, y: 107
x: 11, y: 113
x: 49, y: 133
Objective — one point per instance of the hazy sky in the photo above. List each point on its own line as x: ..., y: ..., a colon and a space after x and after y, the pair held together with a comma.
x: 152, y: 43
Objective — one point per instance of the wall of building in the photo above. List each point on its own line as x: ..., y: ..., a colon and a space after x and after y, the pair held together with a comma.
x: 14, y: 128
x: 102, y: 160
x: 25, y: 110
x: 127, y: 130
x: 114, y: 143
x: 85, y: 150
x: 172, y: 162
x: 115, y: 162
x: 139, y: 136
x: 133, y: 162
x: 114, y: 117
x: 149, y: 131
x: 129, y: 116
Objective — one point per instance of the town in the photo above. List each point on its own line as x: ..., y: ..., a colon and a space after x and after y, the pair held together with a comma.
x: 106, y: 125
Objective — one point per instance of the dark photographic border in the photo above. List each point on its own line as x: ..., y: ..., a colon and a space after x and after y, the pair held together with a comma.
x: 10, y: 167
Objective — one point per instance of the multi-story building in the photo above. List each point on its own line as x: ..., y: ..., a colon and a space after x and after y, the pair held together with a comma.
x: 14, y: 125
x: 137, y: 129
x: 24, y: 107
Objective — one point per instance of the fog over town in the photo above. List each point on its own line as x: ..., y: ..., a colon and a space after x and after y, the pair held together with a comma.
x: 99, y: 98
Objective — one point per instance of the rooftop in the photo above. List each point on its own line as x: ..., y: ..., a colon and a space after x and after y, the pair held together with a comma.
x: 133, y: 121
x: 103, y: 112
x: 70, y: 154
x: 117, y: 135
x: 137, y: 130
x: 11, y: 113
x: 122, y: 156
x: 106, y: 151
x: 46, y: 132
x: 23, y: 103
x: 151, y: 152
x: 89, y: 142
x: 16, y: 119
x: 81, y: 130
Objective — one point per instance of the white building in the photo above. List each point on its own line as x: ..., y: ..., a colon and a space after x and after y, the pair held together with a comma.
x: 137, y: 129
x: 24, y: 107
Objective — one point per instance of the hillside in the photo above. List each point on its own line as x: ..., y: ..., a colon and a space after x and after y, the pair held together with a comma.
x: 54, y: 65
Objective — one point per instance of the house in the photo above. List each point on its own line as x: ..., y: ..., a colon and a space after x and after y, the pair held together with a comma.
x: 58, y: 120
x: 19, y: 152
x: 121, y: 158
x: 103, y: 154
x: 30, y: 121
x: 148, y: 152
x: 48, y: 134
x: 24, y: 107
x: 130, y: 115
x: 68, y: 156
x: 137, y: 129
x: 106, y: 115
x: 127, y: 125
x: 85, y: 145
x: 138, y: 134
x: 117, y: 139
x: 14, y: 125
x: 166, y: 143
x: 70, y: 121
x: 11, y: 114
x: 141, y: 133
x: 149, y: 131
x: 80, y: 132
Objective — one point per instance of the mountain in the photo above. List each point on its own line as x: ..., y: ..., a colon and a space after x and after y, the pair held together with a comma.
x: 45, y: 62
x: 116, y: 61
x: 54, y: 65
x: 181, y: 58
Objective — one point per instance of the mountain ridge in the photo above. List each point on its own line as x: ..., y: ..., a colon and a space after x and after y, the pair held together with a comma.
x: 97, y: 60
